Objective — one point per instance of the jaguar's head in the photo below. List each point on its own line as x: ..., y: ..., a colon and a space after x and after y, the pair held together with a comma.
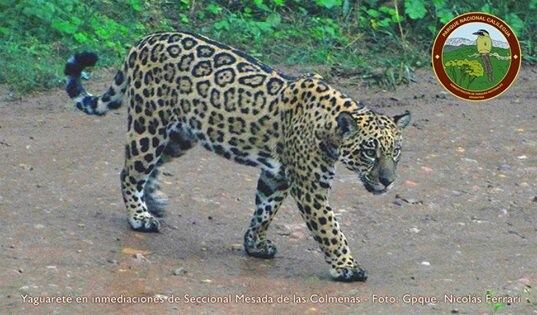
x: 371, y: 146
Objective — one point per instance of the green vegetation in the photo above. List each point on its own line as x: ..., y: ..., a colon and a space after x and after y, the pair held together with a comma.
x: 379, y: 41
x: 496, y: 307
x: 464, y: 67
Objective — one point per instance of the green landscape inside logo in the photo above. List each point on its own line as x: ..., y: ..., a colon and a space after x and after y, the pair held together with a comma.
x: 476, y: 57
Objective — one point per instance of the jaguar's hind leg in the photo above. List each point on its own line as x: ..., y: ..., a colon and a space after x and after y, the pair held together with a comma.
x: 147, y: 140
x: 141, y: 160
x: 178, y: 143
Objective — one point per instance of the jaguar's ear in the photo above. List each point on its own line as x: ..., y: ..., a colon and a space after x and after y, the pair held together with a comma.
x: 402, y: 121
x: 346, y: 125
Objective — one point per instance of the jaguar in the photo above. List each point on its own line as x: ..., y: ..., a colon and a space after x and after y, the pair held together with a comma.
x: 184, y: 89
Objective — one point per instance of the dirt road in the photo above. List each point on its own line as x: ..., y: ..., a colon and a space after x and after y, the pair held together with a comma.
x: 461, y: 221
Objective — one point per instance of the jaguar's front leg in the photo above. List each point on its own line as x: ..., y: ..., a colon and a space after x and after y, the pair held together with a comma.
x: 271, y: 191
x: 312, y: 202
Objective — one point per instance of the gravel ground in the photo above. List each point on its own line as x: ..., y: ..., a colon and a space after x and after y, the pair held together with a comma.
x: 461, y: 221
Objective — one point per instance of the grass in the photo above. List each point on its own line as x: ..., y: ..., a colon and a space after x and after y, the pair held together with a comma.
x: 479, y: 83
x: 366, y: 41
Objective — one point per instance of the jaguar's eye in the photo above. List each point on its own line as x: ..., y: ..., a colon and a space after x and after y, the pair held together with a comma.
x: 396, y: 152
x: 370, y: 153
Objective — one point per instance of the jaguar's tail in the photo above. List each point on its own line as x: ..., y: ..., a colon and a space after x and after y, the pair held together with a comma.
x: 89, y: 104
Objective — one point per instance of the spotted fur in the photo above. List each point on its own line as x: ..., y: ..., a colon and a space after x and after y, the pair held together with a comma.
x: 182, y: 89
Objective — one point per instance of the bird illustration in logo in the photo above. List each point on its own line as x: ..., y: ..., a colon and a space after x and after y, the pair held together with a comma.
x: 484, y: 46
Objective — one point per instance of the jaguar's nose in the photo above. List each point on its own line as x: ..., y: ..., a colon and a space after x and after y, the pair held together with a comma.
x: 386, y: 180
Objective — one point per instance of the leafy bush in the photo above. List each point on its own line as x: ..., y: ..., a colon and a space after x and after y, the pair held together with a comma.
x: 38, y: 36
x: 463, y: 71
x: 382, y: 41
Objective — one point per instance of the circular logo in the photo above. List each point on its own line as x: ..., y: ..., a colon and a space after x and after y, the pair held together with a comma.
x: 476, y: 56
